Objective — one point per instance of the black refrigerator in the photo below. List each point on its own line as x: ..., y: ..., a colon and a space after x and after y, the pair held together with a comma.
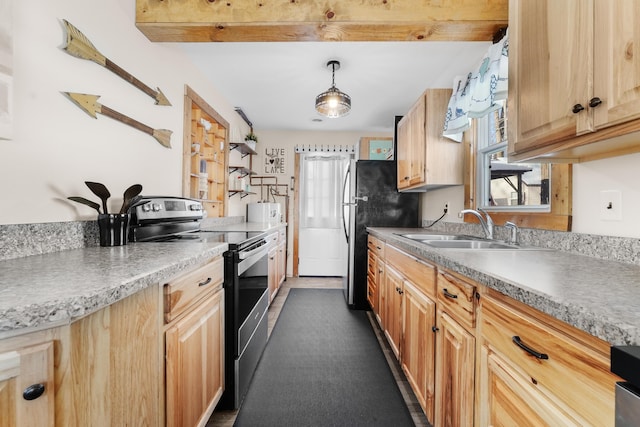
x: 371, y: 199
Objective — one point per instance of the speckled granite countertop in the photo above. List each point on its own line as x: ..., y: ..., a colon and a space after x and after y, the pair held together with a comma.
x: 42, y: 291
x: 600, y: 297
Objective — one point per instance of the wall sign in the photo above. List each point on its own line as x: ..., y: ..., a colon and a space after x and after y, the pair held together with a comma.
x: 274, y: 160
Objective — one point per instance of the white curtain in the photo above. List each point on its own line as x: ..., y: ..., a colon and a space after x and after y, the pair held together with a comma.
x: 321, y: 179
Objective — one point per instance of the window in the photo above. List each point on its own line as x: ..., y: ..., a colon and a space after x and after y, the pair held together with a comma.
x: 503, y: 186
x: 534, y: 195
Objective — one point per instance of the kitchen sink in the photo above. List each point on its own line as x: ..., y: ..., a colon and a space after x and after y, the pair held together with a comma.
x: 461, y: 241
x: 479, y: 245
x: 469, y: 244
x: 425, y: 236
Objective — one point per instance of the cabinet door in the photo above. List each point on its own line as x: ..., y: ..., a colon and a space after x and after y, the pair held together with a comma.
x: 510, y: 399
x: 30, y: 367
x: 550, y: 71
x: 272, y: 268
x: 417, y: 116
x: 380, y: 280
x: 404, y: 152
x: 195, y: 363
x: 282, y: 262
x: 393, y: 324
x: 372, y: 281
x: 455, y: 367
x: 418, y: 346
x: 617, y: 62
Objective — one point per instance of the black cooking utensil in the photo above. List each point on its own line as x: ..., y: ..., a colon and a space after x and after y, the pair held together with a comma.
x: 129, y: 194
x: 84, y: 201
x: 101, y: 191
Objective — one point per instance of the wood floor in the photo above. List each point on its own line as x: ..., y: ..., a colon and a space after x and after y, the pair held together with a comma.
x: 227, y: 418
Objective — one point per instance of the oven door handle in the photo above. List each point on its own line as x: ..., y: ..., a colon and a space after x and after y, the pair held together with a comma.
x: 247, y: 254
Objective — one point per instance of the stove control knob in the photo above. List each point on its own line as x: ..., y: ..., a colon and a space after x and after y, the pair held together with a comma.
x: 146, y: 207
x: 195, y: 207
x: 156, y: 207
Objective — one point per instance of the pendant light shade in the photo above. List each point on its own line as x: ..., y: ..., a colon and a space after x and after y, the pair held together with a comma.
x: 332, y: 102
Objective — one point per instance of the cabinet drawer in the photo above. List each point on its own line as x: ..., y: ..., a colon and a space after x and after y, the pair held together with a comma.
x: 376, y: 246
x: 180, y: 293
x: 457, y: 298
x: 371, y: 264
x: 572, y: 373
x: 420, y: 273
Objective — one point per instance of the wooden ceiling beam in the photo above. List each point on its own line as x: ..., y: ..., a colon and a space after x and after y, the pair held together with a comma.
x: 320, y: 20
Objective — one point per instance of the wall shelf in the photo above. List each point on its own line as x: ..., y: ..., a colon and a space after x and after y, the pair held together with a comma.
x: 243, y: 148
x: 242, y: 193
x: 242, y: 170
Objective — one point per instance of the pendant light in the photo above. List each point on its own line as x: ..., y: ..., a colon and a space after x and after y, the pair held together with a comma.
x: 333, y: 103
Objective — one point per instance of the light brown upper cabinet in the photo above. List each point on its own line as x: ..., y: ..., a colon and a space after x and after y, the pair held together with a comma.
x: 426, y: 159
x: 574, y: 88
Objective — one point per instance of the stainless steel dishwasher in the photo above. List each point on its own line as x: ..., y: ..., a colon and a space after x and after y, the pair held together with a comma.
x: 625, y: 362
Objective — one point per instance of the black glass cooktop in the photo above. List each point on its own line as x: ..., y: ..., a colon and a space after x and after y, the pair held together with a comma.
x: 234, y: 239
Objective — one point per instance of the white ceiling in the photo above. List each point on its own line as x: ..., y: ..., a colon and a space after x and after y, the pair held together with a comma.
x: 275, y: 84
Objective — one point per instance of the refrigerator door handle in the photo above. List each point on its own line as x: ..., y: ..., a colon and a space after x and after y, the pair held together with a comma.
x: 363, y: 198
x: 345, y: 204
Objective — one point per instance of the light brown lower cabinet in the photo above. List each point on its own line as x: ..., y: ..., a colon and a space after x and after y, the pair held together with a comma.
x: 27, y: 387
x: 108, y: 368
x: 394, y: 284
x: 561, y: 374
x: 272, y: 275
x: 195, y: 363
x: 418, y: 356
x: 455, y: 374
x: 194, y: 344
x: 511, y: 399
x: 492, y: 361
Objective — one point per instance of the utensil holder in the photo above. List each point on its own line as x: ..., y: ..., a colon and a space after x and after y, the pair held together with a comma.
x: 114, y: 229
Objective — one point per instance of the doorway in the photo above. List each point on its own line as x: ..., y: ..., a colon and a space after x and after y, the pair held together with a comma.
x: 322, y: 246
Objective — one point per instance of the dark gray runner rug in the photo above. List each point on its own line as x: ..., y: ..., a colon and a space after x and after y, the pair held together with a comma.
x: 322, y: 367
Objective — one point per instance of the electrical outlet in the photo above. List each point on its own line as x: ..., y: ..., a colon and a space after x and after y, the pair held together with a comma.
x: 611, y: 205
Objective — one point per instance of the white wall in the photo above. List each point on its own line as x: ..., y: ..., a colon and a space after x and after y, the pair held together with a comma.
x: 56, y: 146
x: 589, y: 179
x: 269, y: 140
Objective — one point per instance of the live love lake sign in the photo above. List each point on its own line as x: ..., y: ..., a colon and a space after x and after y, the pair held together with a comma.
x: 274, y: 160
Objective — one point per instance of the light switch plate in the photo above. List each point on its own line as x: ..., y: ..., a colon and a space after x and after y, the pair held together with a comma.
x: 611, y: 205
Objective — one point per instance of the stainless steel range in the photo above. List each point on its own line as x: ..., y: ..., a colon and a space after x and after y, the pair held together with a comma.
x: 175, y: 219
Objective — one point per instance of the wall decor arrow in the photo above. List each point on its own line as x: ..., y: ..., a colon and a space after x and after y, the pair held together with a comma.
x: 90, y: 105
x: 80, y: 46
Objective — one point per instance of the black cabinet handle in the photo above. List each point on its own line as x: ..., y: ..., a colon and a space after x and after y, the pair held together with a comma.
x: 594, y: 102
x: 406, y: 178
x: 577, y: 108
x: 206, y: 282
x: 448, y: 294
x: 400, y: 291
x: 33, y: 392
x: 434, y: 329
x: 516, y: 339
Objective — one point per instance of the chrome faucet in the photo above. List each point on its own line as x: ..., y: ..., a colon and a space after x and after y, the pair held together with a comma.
x: 487, y: 225
x: 513, y: 238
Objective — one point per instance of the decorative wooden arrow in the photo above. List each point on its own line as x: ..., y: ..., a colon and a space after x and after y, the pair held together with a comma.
x: 89, y: 103
x: 80, y: 46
